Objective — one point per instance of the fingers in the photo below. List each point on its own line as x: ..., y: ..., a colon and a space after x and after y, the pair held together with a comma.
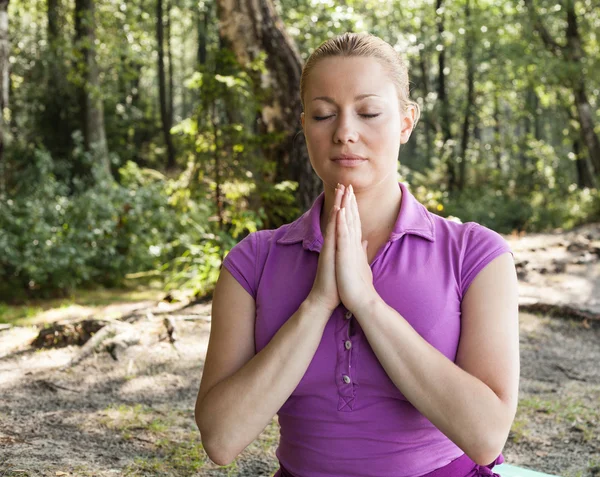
x: 355, y: 216
x: 329, y: 239
x: 346, y: 207
x: 339, y: 193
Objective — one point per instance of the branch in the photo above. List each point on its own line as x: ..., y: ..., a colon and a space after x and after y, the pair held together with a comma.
x: 550, y: 43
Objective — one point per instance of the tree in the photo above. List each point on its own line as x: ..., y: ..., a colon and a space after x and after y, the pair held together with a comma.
x: 90, y: 98
x: 443, y: 99
x: 4, y: 72
x: 469, y: 47
x: 165, y: 114
x: 253, y: 28
x: 573, y: 54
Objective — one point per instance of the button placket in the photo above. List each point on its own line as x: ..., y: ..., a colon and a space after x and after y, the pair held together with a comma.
x: 347, y: 350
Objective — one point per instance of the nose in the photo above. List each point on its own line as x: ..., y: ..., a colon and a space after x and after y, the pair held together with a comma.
x: 345, y: 130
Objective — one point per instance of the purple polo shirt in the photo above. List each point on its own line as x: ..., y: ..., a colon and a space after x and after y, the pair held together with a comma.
x: 346, y: 417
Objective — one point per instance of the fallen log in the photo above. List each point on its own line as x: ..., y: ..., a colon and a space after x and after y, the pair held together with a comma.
x: 562, y: 311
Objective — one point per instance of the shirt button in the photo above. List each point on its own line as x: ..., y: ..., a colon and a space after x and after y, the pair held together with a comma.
x: 348, y: 315
x: 346, y: 379
x: 348, y: 344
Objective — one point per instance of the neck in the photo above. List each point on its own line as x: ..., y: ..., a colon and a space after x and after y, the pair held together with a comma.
x: 378, y: 207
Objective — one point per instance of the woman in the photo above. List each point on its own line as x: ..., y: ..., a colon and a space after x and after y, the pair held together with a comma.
x: 385, y: 337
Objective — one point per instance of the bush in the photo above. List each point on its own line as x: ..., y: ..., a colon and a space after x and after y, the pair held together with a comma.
x: 54, y: 238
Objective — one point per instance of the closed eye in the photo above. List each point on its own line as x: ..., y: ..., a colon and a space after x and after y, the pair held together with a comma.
x: 367, y: 116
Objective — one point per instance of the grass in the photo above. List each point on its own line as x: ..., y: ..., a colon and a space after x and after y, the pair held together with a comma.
x: 566, y: 414
x: 175, y: 446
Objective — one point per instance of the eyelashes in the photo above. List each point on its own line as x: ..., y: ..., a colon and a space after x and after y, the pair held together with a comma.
x: 367, y: 116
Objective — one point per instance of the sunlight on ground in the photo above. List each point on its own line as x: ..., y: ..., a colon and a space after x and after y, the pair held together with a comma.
x: 82, y: 304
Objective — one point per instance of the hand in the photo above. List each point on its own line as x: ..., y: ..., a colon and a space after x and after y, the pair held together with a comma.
x: 324, y: 290
x: 353, y: 273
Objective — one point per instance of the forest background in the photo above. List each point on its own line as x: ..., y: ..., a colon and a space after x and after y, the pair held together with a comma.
x: 141, y: 140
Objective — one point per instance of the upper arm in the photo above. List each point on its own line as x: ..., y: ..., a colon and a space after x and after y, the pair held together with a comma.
x: 231, y: 342
x: 489, y: 340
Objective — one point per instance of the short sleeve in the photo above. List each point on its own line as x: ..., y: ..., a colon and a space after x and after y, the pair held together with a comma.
x: 241, y: 263
x: 482, y: 246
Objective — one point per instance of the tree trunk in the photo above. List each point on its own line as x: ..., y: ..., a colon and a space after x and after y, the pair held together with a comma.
x: 585, y: 177
x: 253, y: 27
x: 4, y: 79
x: 429, y: 121
x: 586, y: 118
x: 53, y: 27
x: 586, y: 122
x: 497, y: 131
x: 202, y: 33
x: 574, y: 54
x: 470, y: 40
x: 443, y: 100
x: 4, y: 84
x: 170, y: 110
x: 162, y: 87
x: 90, y: 98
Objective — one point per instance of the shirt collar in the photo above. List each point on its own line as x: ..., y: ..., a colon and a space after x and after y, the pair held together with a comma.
x: 413, y: 219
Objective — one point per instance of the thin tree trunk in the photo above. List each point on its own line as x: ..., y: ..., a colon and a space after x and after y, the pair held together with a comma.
x: 470, y: 97
x: 170, y: 59
x: 90, y: 98
x: 429, y: 122
x: 585, y: 177
x: 497, y: 131
x: 203, y: 17
x: 53, y: 28
x: 443, y: 100
x: 164, y: 113
x: 586, y: 122
x: 4, y: 85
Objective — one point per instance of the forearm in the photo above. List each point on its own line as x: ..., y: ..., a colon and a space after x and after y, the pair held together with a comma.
x: 460, y: 405
x: 235, y: 411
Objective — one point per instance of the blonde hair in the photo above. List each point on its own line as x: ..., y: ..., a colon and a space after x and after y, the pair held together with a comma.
x: 364, y: 45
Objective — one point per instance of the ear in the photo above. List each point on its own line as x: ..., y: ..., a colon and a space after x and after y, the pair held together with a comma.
x: 407, y: 123
x: 302, y: 119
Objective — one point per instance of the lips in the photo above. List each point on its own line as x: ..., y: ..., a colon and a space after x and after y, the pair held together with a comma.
x: 349, y: 160
x: 348, y: 157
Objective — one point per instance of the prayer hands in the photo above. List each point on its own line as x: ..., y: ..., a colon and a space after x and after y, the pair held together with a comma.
x: 353, y: 273
x: 343, y: 273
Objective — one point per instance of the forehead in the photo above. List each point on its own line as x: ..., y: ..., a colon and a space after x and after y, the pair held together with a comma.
x: 344, y: 78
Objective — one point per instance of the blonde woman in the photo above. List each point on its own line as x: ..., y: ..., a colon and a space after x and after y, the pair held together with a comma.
x: 384, y: 337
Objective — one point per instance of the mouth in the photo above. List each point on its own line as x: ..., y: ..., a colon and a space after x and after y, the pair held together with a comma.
x: 348, y: 157
x: 349, y: 160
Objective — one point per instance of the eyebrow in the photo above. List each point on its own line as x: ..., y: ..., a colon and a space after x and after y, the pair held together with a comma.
x: 356, y: 98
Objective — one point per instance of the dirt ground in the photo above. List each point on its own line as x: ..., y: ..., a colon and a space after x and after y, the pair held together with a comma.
x: 130, y: 412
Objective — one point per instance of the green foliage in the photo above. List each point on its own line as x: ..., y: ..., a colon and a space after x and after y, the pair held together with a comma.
x: 64, y: 225
x: 55, y: 239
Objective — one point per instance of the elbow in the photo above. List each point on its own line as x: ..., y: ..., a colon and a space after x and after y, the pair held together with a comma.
x: 491, y: 437
x: 217, y: 453
x: 216, y: 449
x: 487, y: 448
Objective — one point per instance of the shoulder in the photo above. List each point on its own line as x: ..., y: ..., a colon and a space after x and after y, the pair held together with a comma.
x: 466, y: 235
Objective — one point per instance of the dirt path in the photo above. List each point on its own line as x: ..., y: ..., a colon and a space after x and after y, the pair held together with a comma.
x: 134, y: 416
